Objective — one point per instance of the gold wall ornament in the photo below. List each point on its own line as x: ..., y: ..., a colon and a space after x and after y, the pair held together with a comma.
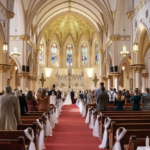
x: 109, y: 76
x: 95, y: 80
x: 100, y: 50
x: 10, y: 15
x: 38, y: 50
x: 145, y: 75
x: 104, y: 78
x: 116, y: 75
x: 137, y: 68
x: 114, y: 37
x: 42, y: 80
x: 24, y: 37
x: 23, y: 74
x: 4, y: 67
x: 130, y: 14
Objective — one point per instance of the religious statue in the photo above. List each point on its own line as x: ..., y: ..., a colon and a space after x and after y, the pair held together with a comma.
x: 95, y: 80
x: 42, y: 80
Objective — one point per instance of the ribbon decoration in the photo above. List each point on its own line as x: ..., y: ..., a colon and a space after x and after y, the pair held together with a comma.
x: 87, y: 117
x: 91, y: 126
x: 31, y: 138
x: 48, y: 128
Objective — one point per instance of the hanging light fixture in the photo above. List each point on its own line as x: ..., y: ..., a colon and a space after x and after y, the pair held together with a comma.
x: 15, y: 53
x: 5, y: 47
x: 16, y: 68
x: 123, y: 67
x: 124, y: 53
x: 135, y: 47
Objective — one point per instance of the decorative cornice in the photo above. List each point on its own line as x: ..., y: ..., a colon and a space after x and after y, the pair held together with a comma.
x: 130, y: 14
x: 116, y: 74
x: 23, y: 74
x: 104, y: 78
x: 137, y: 68
x: 10, y: 15
x: 109, y: 76
x: 31, y: 78
x: 114, y: 37
x: 24, y: 37
x: 4, y: 67
x: 145, y: 75
x: 100, y: 50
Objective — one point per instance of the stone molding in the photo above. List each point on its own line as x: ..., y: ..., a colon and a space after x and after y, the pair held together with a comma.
x: 109, y: 76
x: 23, y: 74
x: 116, y: 74
x: 104, y: 78
x: 31, y: 78
x: 114, y: 37
x: 38, y: 50
x: 100, y: 51
x: 24, y: 37
x: 10, y: 15
x: 137, y: 68
x: 130, y: 14
x: 119, y: 38
x: 145, y: 75
x: 4, y: 67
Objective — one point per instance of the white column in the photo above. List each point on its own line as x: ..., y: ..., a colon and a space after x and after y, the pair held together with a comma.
x: 109, y: 82
x: 144, y: 81
x: 116, y: 80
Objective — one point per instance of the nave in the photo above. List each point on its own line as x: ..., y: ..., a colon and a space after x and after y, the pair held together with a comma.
x: 71, y: 133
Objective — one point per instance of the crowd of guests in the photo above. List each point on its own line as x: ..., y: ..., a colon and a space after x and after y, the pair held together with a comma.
x: 103, y: 97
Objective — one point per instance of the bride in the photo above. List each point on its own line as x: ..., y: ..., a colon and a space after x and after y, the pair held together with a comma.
x: 68, y: 100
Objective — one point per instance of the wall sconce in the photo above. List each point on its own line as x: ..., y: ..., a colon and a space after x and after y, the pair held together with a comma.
x: 5, y: 47
x: 16, y: 68
x: 135, y: 47
x: 123, y: 67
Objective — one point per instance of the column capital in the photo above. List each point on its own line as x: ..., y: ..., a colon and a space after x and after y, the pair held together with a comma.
x: 76, y: 56
x: 100, y: 50
x: 10, y: 15
x: 61, y: 55
x: 104, y: 78
x: 145, y: 75
x: 137, y: 68
x: 38, y: 50
x: 4, y: 67
x: 90, y: 54
x: 109, y: 76
x: 116, y: 74
x: 114, y: 37
x: 23, y: 74
x: 130, y: 14
x: 31, y: 78
x: 24, y: 37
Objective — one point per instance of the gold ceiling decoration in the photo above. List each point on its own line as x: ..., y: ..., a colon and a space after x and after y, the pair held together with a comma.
x: 105, y: 27
x: 69, y: 24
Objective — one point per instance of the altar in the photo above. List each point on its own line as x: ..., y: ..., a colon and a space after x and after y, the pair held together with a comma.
x: 69, y: 81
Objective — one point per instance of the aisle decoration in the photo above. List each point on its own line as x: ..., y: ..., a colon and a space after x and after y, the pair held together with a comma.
x: 48, y: 127
x: 91, y: 126
x: 87, y: 117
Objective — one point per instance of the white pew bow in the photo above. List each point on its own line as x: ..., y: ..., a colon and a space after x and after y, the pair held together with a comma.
x: 87, y: 116
x: 91, y: 126
x: 48, y: 127
x: 96, y: 129
x: 31, y: 138
x: 41, y: 144
x: 84, y: 111
x: 117, y: 145
x: 104, y: 141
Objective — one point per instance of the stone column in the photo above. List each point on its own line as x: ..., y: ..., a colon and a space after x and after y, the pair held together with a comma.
x: 3, y: 75
x: 61, y: 61
x: 23, y: 77
x: 137, y: 74
x: 144, y: 81
x: 76, y: 60
x: 109, y: 77
x: 90, y: 55
x: 101, y: 61
x: 116, y: 80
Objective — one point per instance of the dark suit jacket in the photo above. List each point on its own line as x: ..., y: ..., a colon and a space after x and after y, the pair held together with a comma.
x: 72, y: 95
x: 50, y: 93
x: 102, y: 101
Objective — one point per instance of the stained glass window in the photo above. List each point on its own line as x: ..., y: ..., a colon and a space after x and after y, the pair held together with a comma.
x: 84, y: 54
x: 69, y: 55
x: 54, y: 54
x: 41, y: 55
x: 96, y: 53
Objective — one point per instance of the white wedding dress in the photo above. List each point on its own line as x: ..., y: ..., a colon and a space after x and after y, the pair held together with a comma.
x: 68, y: 100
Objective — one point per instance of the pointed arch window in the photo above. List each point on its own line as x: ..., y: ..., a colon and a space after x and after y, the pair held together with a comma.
x: 96, y: 53
x: 41, y: 55
x: 54, y: 51
x: 69, y: 55
x: 84, y: 54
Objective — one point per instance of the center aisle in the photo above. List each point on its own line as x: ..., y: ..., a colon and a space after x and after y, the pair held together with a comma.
x: 71, y: 133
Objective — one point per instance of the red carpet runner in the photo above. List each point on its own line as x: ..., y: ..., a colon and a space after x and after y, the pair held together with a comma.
x: 72, y: 133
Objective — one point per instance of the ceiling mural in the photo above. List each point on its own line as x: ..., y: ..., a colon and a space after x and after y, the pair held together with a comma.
x: 69, y: 24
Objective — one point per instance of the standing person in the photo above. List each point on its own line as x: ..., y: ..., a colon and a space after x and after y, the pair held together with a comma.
x: 98, y: 90
x: 50, y: 92
x: 112, y: 96
x: 127, y: 97
x: 68, y: 99
x: 135, y: 99
x: 72, y: 96
x: 146, y: 100
x: 53, y: 98
x: 85, y: 96
x: 22, y: 102
x: 80, y: 95
x: 9, y: 110
x: 119, y: 101
x: 31, y: 102
x: 58, y: 95
x: 115, y: 91
x: 89, y: 97
x: 102, y: 100
x: 43, y: 101
x: 124, y: 92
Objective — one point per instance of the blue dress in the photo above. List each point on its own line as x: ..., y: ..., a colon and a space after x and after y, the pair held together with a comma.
x: 119, y: 104
x: 136, y: 102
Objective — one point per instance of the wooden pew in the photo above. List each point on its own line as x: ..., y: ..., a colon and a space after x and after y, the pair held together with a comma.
x: 139, y: 133
x: 134, y: 142
x: 13, y: 144
x: 127, y: 126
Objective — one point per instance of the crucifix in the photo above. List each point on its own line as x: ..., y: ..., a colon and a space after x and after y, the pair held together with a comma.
x: 42, y: 80
x: 95, y: 80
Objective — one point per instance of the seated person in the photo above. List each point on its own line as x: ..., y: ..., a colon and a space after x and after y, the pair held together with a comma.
x: 135, y: 99
x: 119, y: 101
x: 146, y: 100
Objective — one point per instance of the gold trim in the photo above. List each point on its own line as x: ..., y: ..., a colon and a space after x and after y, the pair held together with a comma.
x: 100, y: 51
x: 114, y: 37
x: 145, y: 75
x: 23, y: 74
x: 137, y: 68
x: 4, y: 67
x: 130, y: 14
x: 104, y: 78
x: 24, y: 37
x: 109, y: 76
x: 38, y: 50
x: 116, y: 75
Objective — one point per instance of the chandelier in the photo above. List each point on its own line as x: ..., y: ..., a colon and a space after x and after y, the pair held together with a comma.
x: 15, y: 53
x: 124, y: 53
x: 135, y: 47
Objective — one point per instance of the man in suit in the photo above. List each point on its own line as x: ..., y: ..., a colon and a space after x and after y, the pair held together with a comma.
x: 72, y: 96
x: 102, y: 100
x: 50, y: 92
x: 9, y: 110
x: 98, y: 90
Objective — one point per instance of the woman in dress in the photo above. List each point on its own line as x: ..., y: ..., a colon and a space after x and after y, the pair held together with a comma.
x: 135, y: 99
x: 119, y: 101
x: 127, y: 97
x: 31, y: 102
x: 68, y: 100
x: 43, y: 101
x: 146, y: 100
x: 53, y: 98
